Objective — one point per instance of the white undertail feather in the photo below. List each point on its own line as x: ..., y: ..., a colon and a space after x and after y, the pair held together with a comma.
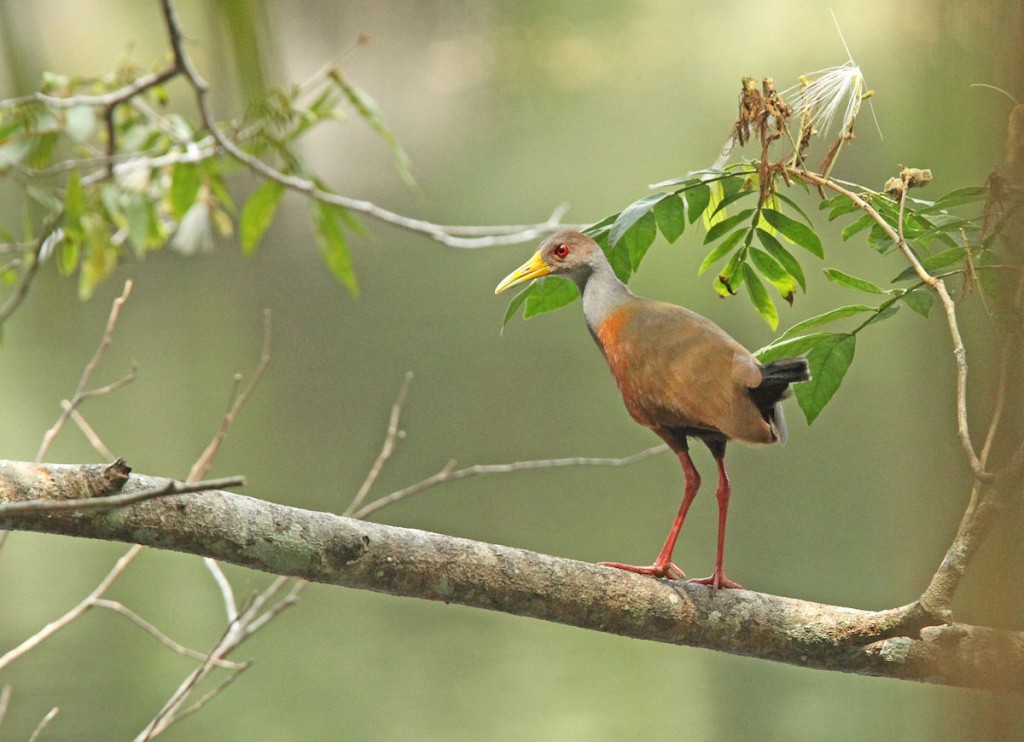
x: 779, y: 424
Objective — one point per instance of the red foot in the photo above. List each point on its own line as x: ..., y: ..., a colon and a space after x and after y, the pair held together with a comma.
x: 668, y: 569
x: 717, y: 580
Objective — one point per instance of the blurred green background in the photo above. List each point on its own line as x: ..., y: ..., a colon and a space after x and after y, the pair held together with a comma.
x: 507, y: 110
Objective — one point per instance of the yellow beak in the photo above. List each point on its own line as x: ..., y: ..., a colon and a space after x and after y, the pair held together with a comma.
x: 533, y: 268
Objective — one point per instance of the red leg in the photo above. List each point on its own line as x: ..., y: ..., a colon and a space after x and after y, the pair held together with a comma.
x: 663, y: 566
x: 718, y: 579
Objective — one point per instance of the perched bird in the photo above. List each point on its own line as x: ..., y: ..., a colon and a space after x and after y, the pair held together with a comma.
x: 679, y: 374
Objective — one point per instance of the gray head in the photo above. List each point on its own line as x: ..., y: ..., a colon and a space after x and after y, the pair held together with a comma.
x: 569, y: 254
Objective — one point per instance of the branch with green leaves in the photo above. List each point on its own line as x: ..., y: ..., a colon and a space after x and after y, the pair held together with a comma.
x: 109, y: 168
x: 966, y: 242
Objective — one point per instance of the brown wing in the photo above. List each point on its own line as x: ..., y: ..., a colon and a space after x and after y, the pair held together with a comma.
x: 676, y: 369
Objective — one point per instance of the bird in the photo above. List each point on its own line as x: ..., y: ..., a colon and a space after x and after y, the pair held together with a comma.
x: 679, y: 374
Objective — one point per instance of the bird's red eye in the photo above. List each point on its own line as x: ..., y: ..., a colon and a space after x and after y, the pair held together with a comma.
x: 561, y: 251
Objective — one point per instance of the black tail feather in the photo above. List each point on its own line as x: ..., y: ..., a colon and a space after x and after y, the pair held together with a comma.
x: 785, y: 371
x: 774, y: 387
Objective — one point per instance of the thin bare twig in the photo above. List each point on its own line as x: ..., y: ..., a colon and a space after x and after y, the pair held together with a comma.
x: 48, y: 232
x: 87, y: 430
x: 122, y: 609
x: 81, y: 392
x: 5, y: 700
x: 54, y: 626
x: 173, y: 487
x: 255, y: 616
x: 205, y: 461
x: 166, y: 716
x: 113, y: 386
x: 227, y: 592
x: 392, y: 436
x: 959, y: 351
x: 107, y: 100
x: 42, y: 724
x: 285, y: 603
x: 449, y: 473
x: 210, y: 695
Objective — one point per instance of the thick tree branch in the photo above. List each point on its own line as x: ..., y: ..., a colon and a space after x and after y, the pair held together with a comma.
x: 332, y: 549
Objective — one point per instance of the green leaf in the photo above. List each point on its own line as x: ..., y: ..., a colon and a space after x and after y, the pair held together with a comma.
x: 670, y: 214
x: 697, y: 199
x: 8, y: 277
x: 857, y: 225
x: 794, y: 231
x: 838, y: 206
x: 920, y: 300
x: 215, y: 182
x: 823, y: 319
x: 599, y: 230
x: 960, y: 196
x: 333, y: 246
x: 879, y: 240
x: 549, y: 295
x: 368, y: 109
x: 258, y: 213
x: 513, y: 306
x: 784, y: 256
x: 720, y: 250
x: 945, y: 225
x: 851, y: 282
x: 831, y: 202
x: 221, y: 220
x: 791, y: 204
x: 829, y: 360
x: 789, y: 347
x: 759, y: 297
x: 185, y: 182
x: 726, y: 225
x: 41, y: 149
x: 771, y: 269
x: 730, y: 278
x: 621, y: 262
x: 100, y: 256
x: 139, y: 212
x: 882, y: 313
x: 630, y: 216
x: 639, y: 239
x: 720, y: 191
x: 68, y: 252
x: 45, y: 198
x: 934, y: 264
x: 687, y: 181
x: 74, y: 204
x: 724, y: 204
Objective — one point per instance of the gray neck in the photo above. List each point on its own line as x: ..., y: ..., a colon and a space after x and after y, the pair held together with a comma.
x: 602, y: 293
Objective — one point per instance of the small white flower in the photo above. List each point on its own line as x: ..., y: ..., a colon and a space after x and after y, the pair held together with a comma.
x: 195, y: 233
x: 826, y: 93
